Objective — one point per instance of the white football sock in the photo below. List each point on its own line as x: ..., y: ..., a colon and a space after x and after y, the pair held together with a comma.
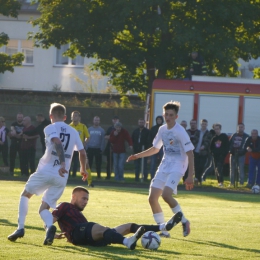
x: 125, y: 241
x: 159, y: 219
x: 178, y: 209
x: 23, y: 210
x: 47, y: 217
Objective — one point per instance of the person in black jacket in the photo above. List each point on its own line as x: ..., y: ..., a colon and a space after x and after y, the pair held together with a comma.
x: 108, y: 149
x: 43, y: 122
x: 219, y: 148
x: 140, y: 138
x: 197, y: 65
x: 3, y: 140
x: 154, y: 158
x: 252, y: 146
x: 237, y: 154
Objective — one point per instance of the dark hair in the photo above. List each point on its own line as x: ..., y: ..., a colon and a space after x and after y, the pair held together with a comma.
x: 204, y: 120
x: 174, y: 105
x: 219, y: 125
x: 79, y: 188
x: 241, y: 124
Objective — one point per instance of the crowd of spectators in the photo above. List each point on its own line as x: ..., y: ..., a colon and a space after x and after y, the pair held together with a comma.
x: 210, y: 154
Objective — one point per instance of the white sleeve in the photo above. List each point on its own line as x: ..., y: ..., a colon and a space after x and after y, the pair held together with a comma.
x: 185, y: 141
x: 157, y: 141
x: 50, y: 132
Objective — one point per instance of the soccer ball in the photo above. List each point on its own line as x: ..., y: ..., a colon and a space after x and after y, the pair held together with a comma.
x: 151, y: 240
x: 255, y: 189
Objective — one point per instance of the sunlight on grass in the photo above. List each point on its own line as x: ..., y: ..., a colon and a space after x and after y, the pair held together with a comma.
x: 223, y: 225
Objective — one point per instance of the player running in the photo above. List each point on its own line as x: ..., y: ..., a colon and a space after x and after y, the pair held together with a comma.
x: 79, y: 231
x: 178, y: 154
x: 51, y: 175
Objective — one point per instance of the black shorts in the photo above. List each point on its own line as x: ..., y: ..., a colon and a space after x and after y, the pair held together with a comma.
x: 81, y: 235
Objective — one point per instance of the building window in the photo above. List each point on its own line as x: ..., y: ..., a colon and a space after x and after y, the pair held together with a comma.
x: 24, y: 46
x: 27, y: 50
x: 64, y: 60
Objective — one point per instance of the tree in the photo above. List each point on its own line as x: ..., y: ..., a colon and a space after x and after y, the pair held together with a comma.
x: 7, y: 62
x: 137, y: 41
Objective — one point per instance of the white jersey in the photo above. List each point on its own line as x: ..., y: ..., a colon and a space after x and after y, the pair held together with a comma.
x: 176, y: 142
x: 49, y: 163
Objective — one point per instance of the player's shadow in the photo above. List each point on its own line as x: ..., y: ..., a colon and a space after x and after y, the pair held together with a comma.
x: 5, y: 222
x: 107, y: 252
x: 219, y: 245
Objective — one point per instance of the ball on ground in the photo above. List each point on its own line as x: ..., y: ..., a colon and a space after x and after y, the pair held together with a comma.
x: 151, y: 240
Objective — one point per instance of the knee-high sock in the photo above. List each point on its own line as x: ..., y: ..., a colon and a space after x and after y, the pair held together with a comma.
x: 47, y: 217
x: 134, y: 227
x: 112, y: 237
x: 159, y: 219
x: 23, y: 210
x: 178, y: 209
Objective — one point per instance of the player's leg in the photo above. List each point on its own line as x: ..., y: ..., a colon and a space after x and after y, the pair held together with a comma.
x: 52, y: 193
x: 170, y: 188
x: 22, y: 213
x: 111, y: 236
x: 133, y: 227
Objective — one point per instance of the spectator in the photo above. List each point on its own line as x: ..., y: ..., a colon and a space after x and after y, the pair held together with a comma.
x: 219, y: 148
x: 237, y: 154
x: 117, y: 139
x: 16, y: 138
x: 201, y: 151
x: 197, y: 66
x: 28, y: 147
x: 84, y: 135
x: 4, y: 141
x: 252, y: 145
x: 194, y: 134
x: 140, y: 137
x: 108, y: 150
x: 95, y: 145
x: 184, y: 124
x: 154, y: 158
x: 209, y: 167
x: 43, y: 122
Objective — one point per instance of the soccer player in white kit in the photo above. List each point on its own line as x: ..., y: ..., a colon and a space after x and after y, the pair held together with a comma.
x: 51, y: 175
x: 178, y: 154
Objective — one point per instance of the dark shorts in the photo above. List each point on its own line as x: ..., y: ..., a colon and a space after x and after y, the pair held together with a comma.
x: 81, y: 235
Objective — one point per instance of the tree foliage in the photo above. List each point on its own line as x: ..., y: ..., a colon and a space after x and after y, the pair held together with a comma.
x: 136, y: 41
x: 7, y: 63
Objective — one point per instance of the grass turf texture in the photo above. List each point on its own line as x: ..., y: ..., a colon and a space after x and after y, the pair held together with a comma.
x: 223, y: 225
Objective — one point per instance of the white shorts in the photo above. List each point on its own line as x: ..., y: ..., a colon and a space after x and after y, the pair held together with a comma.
x: 51, y: 186
x: 169, y: 174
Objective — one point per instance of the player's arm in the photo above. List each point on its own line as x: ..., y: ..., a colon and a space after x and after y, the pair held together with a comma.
x: 189, y: 180
x: 83, y: 162
x: 60, y: 153
x: 146, y: 153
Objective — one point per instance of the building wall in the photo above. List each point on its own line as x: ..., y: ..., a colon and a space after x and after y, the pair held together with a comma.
x: 43, y: 74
